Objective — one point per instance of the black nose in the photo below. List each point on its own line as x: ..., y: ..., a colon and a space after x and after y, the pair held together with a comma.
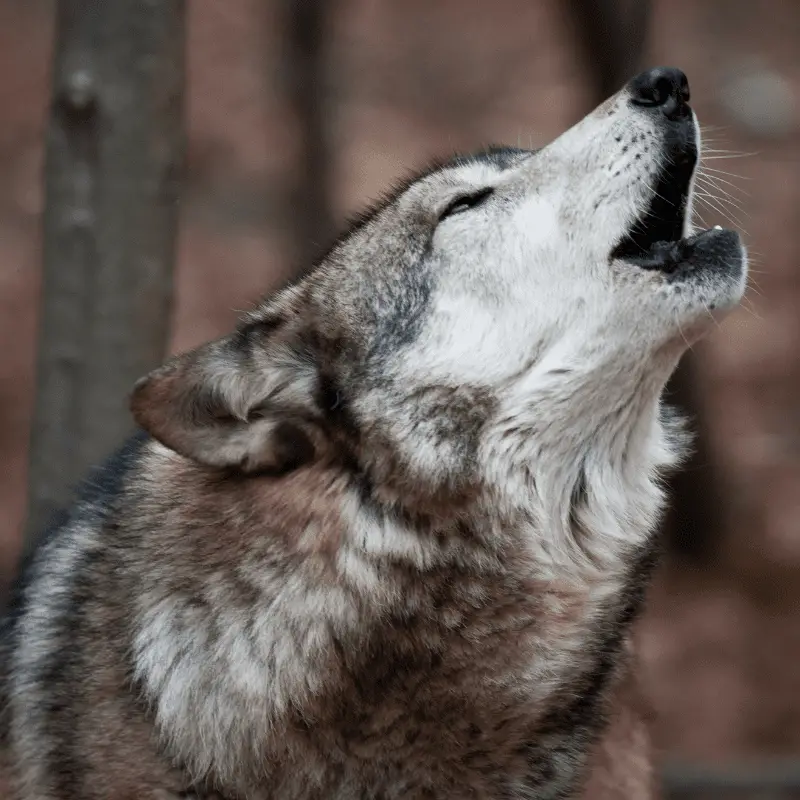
x: 665, y: 88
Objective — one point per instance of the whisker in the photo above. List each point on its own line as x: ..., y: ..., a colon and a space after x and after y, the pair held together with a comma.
x: 746, y: 306
x: 707, y: 149
x: 706, y: 169
x: 713, y: 318
x: 713, y: 205
x: 683, y: 335
x: 752, y: 287
x: 723, y: 199
x: 716, y: 181
x: 712, y: 174
x: 708, y: 181
x: 721, y: 154
x: 720, y: 192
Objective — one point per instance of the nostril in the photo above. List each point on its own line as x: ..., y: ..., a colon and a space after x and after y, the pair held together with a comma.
x: 666, y: 88
x: 653, y: 94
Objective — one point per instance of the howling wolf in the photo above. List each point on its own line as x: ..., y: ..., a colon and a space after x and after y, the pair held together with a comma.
x: 385, y: 540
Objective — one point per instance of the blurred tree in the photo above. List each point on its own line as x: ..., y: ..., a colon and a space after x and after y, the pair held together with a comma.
x: 114, y: 153
x: 613, y: 34
x: 309, y: 216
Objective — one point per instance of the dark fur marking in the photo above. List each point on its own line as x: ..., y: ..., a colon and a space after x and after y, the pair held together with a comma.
x: 578, y: 496
x: 94, y: 498
x: 581, y: 720
x: 400, y: 311
x: 292, y: 446
x: 251, y: 333
x: 70, y: 660
x: 102, y: 483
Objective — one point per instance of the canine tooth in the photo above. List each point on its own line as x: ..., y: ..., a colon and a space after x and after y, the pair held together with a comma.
x: 718, y: 227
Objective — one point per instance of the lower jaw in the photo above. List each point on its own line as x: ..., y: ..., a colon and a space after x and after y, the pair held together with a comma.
x: 668, y: 256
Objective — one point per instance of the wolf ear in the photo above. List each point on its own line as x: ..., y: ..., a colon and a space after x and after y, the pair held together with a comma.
x: 246, y: 402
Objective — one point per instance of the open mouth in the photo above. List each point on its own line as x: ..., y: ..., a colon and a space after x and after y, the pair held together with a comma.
x: 654, y: 242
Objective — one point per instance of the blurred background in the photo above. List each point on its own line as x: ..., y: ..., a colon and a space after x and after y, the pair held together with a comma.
x: 289, y: 117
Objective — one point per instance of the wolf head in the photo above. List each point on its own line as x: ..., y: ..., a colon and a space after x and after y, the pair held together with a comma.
x: 498, y: 318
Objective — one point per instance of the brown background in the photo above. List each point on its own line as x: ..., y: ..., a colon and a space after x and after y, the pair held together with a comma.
x: 416, y: 79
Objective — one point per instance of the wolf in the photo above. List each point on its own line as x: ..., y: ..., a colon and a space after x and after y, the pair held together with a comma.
x: 387, y: 538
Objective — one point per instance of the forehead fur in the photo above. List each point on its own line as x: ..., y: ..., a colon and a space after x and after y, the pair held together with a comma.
x: 470, y: 167
x: 398, y: 306
x: 492, y: 159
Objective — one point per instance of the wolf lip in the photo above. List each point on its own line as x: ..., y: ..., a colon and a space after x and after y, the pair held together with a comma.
x: 652, y: 240
x: 668, y: 256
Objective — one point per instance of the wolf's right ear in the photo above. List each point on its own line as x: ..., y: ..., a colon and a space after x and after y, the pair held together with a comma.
x: 246, y: 402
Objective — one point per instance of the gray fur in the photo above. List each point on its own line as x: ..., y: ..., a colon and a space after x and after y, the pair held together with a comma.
x: 386, y: 539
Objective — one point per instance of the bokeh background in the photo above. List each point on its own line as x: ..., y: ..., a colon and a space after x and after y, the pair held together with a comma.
x: 397, y: 84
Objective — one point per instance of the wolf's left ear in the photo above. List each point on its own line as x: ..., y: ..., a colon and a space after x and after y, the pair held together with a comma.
x: 247, y: 402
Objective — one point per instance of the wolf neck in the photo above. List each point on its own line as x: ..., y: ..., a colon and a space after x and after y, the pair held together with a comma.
x: 588, y: 475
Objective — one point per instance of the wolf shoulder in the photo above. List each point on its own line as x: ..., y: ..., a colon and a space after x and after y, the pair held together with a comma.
x: 46, y: 583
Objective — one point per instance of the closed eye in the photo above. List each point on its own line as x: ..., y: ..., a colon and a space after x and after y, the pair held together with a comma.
x: 465, y: 202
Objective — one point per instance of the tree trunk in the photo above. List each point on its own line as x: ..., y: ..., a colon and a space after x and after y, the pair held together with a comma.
x: 308, y: 206
x: 613, y: 35
x: 694, y: 521
x: 114, y: 154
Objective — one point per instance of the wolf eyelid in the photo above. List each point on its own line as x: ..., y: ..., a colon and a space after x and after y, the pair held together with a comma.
x: 465, y: 202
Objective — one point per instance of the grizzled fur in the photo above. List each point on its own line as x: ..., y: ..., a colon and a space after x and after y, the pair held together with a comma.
x: 387, y: 538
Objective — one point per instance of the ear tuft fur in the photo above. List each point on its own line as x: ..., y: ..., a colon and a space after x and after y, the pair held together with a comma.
x: 243, y: 403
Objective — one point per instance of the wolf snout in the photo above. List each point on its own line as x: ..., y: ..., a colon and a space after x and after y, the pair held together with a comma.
x: 662, y: 89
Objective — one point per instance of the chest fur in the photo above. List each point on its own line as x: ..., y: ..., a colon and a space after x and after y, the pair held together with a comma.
x: 457, y: 665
